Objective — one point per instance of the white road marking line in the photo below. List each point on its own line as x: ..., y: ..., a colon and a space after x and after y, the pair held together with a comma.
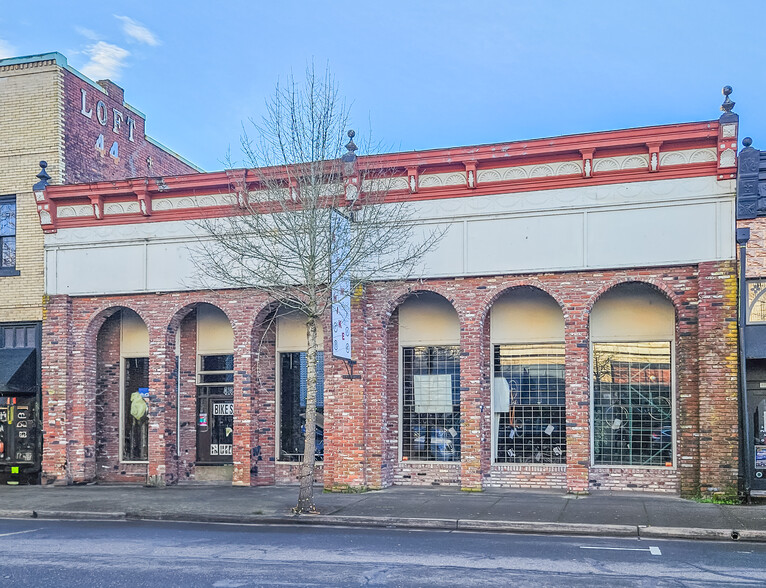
x: 18, y: 532
x: 653, y: 550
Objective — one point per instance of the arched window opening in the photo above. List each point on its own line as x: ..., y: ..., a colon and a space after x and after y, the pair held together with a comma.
x: 429, y: 339
x: 632, y: 330
x: 134, y: 361
x: 292, y: 345
x: 528, y: 388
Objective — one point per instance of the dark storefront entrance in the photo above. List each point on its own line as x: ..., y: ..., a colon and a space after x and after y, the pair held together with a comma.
x: 215, y: 410
x: 20, y: 441
x: 215, y: 428
x: 756, y: 402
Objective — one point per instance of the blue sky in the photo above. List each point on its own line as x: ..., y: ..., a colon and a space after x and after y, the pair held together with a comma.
x: 420, y: 74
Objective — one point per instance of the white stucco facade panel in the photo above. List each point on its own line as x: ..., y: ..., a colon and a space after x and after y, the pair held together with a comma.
x: 99, y: 270
x: 169, y: 267
x: 524, y: 243
x: 658, y: 235
x: 640, y: 224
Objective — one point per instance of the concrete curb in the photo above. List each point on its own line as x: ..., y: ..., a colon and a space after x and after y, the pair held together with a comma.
x: 79, y: 515
x: 16, y: 514
x: 697, y: 533
x: 546, y: 528
x: 473, y: 525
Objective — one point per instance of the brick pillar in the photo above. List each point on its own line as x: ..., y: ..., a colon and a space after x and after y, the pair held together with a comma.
x: 373, y: 359
x: 389, y: 375
x: 243, y: 405
x: 263, y: 370
x: 472, y: 384
x: 81, y: 405
x: 577, y: 375
x: 333, y: 415
x: 687, y: 392
x: 162, y: 468
x: 187, y: 441
x: 345, y: 405
x: 108, y: 398
x: 717, y: 312
x: 56, y: 382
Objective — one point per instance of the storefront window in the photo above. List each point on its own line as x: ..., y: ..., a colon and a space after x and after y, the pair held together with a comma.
x: 528, y: 404
x: 136, y: 410
x: 7, y: 233
x: 756, y: 301
x: 292, y: 405
x: 632, y: 404
x: 215, y: 409
x: 431, y: 403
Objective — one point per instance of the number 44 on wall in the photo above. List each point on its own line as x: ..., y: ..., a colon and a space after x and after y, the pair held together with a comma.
x: 114, y: 151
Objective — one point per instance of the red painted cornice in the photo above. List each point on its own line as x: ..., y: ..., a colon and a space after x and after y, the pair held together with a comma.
x: 551, y: 146
x: 589, y: 148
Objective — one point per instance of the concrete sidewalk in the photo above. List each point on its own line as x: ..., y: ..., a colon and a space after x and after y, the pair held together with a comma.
x: 520, y: 511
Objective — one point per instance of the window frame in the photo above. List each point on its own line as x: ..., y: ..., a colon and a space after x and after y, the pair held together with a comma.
x: 673, y: 409
x: 494, y: 433
x: 122, y: 407
x: 278, y: 408
x: 750, y: 304
x: 11, y: 271
x: 400, y: 436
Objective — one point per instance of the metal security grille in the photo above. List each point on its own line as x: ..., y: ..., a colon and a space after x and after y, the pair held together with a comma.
x: 632, y: 404
x: 431, y: 403
x: 529, y: 404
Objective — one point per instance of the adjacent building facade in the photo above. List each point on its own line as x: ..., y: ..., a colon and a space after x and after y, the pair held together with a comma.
x: 85, y: 132
x: 751, y: 236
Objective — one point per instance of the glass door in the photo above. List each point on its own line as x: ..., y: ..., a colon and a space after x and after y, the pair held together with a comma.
x: 215, y: 409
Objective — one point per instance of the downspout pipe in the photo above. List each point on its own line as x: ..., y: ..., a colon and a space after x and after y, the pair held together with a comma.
x: 743, y: 236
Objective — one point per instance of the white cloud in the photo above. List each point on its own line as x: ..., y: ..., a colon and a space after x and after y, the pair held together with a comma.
x: 106, y: 61
x: 137, y: 31
x: 6, y: 49
x: 88, y: 33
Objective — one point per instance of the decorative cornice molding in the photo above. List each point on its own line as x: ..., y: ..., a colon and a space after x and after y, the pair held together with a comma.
x: 612, y: 157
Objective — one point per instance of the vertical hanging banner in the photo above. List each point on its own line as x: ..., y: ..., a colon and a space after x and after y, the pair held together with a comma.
x: 341, y: 289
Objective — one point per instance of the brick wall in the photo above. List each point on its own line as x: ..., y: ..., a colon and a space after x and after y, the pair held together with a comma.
x: 85, y: 163
x: 362, y: 429
x: 756, y: 247
x: 40, y: 104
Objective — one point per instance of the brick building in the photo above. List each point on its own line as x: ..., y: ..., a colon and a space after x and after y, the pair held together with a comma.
x: 574, y: 329
x: 751, y: 236
x: 86, y: 132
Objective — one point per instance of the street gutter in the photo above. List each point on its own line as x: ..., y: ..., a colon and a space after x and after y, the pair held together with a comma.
x: 468, y: 525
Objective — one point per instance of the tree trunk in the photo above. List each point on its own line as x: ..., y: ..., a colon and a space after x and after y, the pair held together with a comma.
x: 306, y: 492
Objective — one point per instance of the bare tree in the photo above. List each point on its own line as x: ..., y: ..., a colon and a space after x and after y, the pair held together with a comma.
x: 310, y: 220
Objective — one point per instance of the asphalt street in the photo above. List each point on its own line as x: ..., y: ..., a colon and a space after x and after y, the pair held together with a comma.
x: 126, y: 553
